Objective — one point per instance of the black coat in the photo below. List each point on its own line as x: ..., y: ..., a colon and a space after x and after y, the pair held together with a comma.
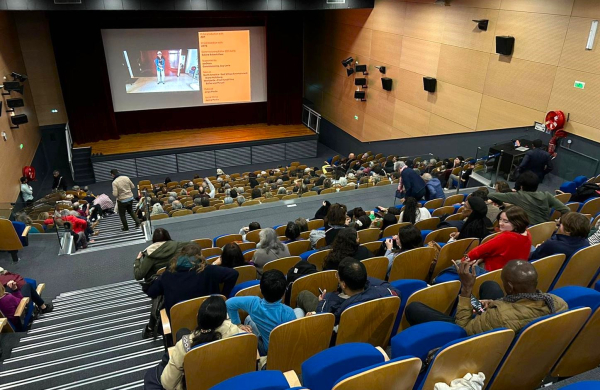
x: 537, y: 161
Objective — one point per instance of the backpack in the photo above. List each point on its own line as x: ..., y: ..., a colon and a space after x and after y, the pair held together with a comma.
x: 301, y: 268
x: 586, y: 191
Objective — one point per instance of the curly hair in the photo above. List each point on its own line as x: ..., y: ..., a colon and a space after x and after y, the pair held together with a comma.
x: 193, y: 252
x: 344, y: 245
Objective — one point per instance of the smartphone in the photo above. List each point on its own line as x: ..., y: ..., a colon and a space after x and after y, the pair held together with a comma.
x: 320, y: 291
x: 477, y: 306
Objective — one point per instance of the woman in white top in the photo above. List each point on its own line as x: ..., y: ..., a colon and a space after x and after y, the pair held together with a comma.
x: 26, y: 191
x: 413, y: 212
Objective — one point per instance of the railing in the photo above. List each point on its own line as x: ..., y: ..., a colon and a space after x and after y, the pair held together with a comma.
x: 311, y: 118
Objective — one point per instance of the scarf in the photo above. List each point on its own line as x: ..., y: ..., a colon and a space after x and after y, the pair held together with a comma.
x: 400, y: 185
x: 184, y: 262
x: 537, y: 296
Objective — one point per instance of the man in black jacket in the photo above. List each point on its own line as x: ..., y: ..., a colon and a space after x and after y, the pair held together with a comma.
x: 59, y: 183
x: 537, y: 161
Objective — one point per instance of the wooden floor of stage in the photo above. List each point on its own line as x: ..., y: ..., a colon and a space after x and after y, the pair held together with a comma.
x: 173, y: 139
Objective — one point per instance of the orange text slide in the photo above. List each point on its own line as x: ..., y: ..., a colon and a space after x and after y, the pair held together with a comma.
x: 225, y: 66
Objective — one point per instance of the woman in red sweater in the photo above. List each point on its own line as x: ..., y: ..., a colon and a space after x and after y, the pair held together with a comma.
x: 513, y: 242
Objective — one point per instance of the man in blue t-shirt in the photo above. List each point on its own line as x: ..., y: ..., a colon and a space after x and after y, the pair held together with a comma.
x: 159, y: 62
x: 264, y: 314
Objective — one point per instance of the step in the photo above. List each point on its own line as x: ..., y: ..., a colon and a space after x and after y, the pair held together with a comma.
x: 38, y: 328
x: 112, y: 296
x: 97, y: 288
x: 75, y: 315
x: 68, y: 308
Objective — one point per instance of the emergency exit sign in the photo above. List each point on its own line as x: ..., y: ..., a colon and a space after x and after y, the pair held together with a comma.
x: 579, y: 85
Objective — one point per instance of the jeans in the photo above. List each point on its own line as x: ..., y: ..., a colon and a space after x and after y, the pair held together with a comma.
x: 28, y: 292
x: 418, y: 313
x: 451, y: 181
x: 127, y: 207
x: 261, y: 345
x: 160, y: 76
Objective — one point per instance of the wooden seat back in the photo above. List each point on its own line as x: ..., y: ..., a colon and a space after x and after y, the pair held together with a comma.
x: 283, y: 264
x: 368, y: 322
x: 185, y: 315
x: 245, y: 273
x: 227, y: 206
x: 493, y: 276
x: 581, y: 268
x: 204, y: 365
x: 399, y: 375
x: 325, y: 280
x: 564, y: 198
x: 210, y: 252
x: 547, y: 268
x: 428, y: 224
x: 440, y: 297
x: 227, y: 239
x: 368, y: 235
x: 592, y: 207
x: 315, y: 224
x: 434, y: 204
x: 156, y: 217
x: 454, y: 199
x: 541, y: 232
x: 537, y: 349
x: 412, y: 264
x: 317, y: 258
x: 453, y: 251
x: 9, y: 239
x: 298, y: 247
x: 372, y: 246
x: 477, y: 354
x: 252, y: 202
x: 376, y: 267
x: 443, y: 210
x: 203, y: 242
x: 207, y: 209
x: 290, y: 344
x: 393, y: 230
x: 289, y: 197
x: 440, y: 235
x: 583, y: 354
x: 253, y: 236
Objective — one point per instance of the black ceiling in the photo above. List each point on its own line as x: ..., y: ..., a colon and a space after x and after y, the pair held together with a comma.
x: 183, y: 5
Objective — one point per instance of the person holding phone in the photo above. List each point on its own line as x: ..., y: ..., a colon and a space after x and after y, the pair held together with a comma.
x: 522, y: 303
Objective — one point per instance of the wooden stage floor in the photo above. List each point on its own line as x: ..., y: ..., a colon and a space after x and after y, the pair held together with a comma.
x: 195, y: 137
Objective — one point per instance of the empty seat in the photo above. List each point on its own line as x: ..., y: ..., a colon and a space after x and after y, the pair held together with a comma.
x: 397, y: 374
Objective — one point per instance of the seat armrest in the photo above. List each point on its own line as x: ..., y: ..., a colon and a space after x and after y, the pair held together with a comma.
x: 40, y: 288
x: 292, y: 378
x: 5, y: 326
x: 385, y: 356
x: 166, y: 324
x: 26, y: 231
x: 22, y: 308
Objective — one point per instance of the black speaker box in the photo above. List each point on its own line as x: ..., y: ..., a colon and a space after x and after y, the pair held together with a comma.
x: 14, y: 103
x: 361, y: 68
x: 505, y: 45
x: 386, y: 83
x: 19, y: 119
x: 359, y: 94
x: 429, y: 84
x: 360, y: 81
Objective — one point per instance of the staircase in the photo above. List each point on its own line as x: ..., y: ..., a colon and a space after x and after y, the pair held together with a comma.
x: 92, y: 340
x: 82, y: 166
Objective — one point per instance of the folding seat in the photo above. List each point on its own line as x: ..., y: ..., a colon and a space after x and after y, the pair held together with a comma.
x: 547, y: 268
x: 440, y: 235
x: 323, y: 370
x: 440, y: 297
x: 453, y: 251
x: 397, y: 374
x: 260, y: 380
x: 283, y: 264
x: 412, y: 264
x: 580, y: 269
x: 183, y: 315
x: 246, y: 273
x: 316, y: 257
x: 326, y: 280
x: 541, y: 232
x: 376, y: 267
x: 223, y: 239
x: 585, y: 385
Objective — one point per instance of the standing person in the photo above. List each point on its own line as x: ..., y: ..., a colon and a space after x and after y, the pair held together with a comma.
x: 411, y: 184
x: 122, y: 189
x: 58, y: 183
x: 159, y: 61
x: 26, y: 191
x: 537, y: 161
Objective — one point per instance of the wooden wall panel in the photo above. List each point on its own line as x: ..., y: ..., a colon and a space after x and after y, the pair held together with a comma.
x: 440, y: 126
x: 457, y: 104
x: 582, y: 104
x: 460, y: 30
x: 586, y: 8
x: 463, y: 67
x: 342, y: 115
x: 574, y: 54
x: 374, y: 77
x: 500, y: 114
x: 381, y: 106
x: 559, y: 7
x: 518, y: 81
x: 350, y: 39
x: 386, y: 47
x: 410, y: 119
x: 583, y: 131
x: 424, y: 21
x: 538, y: 38
x: 410, y: 90
x: 388, y: 16
x: 376, y: 130
x: 420, y: 56
x: 494, y: 4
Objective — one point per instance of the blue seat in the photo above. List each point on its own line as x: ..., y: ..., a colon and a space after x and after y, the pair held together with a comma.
x: 424, y: 233
x: 258, y: 380
x: 569, y: 187
x: 577, y: 296
x: 585, y: 385
x: 580, y: 180
x: 323, y: 370
x: 19, y: 228
x: 419, y: 339
x: 597, y: 286
x: 217, y: 237
x: 242, y: 286
x: 406, y: 287
x: 304, y: 256
x: 361, y: 370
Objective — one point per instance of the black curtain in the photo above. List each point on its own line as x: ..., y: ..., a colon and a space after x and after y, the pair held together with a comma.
x: 84, y: 79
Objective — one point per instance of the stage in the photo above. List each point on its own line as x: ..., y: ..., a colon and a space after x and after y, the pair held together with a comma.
x: 140, y: 155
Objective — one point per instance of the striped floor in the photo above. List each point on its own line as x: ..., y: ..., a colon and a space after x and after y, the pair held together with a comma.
x: 92, y: 340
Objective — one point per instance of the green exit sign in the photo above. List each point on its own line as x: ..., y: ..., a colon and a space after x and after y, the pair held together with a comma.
x: 356, y: 117
x: 579, y: 85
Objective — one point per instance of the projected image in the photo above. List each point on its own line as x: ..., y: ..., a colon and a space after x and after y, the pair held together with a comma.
x: 168, y: 70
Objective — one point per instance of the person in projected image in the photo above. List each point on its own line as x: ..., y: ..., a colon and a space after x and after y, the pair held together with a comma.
x: 159, y: 61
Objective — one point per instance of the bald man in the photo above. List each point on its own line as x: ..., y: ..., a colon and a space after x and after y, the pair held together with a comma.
x: 522, y: 304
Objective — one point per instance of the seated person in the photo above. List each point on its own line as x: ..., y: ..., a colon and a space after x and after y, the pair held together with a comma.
x: 537, y: 204
x: 492, y: 209
x: 292, y: 232
x: 213, y: 325
x: 355, y: 288
x: 477, y: 224
x: 16, y: 286
x: 413, y: 212
x: 336, y: 221
x: 409, y: 237
x: 271, y: 248
x: 345, y: 245
x: 79, y: 228
x: 156, y: 256
x: 264, y: 313
x: 433, y: 187
x: 594, y: 238
x: 252, y: 226
x: 464, y: 179
x: 231, y: 256
x: 302, y: 224
x: 9, y: 302
x: 571, y: 236
x: 522, y: 304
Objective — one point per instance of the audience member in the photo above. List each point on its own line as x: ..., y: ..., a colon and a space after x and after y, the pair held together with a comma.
x: 355, y: 288
x: 323, y: 210
x: 231, y: 256
x: 433, y: 187
x: 302, y: 224
x: 122, y: 188
x: 345, y: 245
x: 264, y: 313
x: 177, y: 205
x: 16, y: 286
x: 335, y: 221
x: 413, y: 212
x: 256, y: 193
x: 270, y: 249
x: 502, y: 187
x: 363, y: 222
x: 292, y: 232
x: 492, y: 209
x: 464, y: 178
x: 537, y: 161
x: 155, y: 256
x: 410, y: 184
x: 227, y: 200
x: 58, y: 182
x: 522, y: 304
x: 240, y: 200
x: 252, y: 226
x: 571, y: 236
x: 205, y: 201
x: 477, y: 224
x: 409, y: 237
x: 26, y: 191
x: 537, y: 204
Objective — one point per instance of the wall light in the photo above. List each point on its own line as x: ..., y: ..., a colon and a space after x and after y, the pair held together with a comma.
x: 592, y: 37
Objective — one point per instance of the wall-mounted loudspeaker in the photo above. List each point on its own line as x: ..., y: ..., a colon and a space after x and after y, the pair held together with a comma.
x: 361, y: 68
x: 386, y: 83
x: 505, y: 45
x: 360, y: 81
x: 15, y: 103
x: 19, y: 119
x: 360, y: 95
x: 429, y: 84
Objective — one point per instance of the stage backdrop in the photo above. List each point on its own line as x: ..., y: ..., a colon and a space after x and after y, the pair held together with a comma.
x: 84, y: 77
